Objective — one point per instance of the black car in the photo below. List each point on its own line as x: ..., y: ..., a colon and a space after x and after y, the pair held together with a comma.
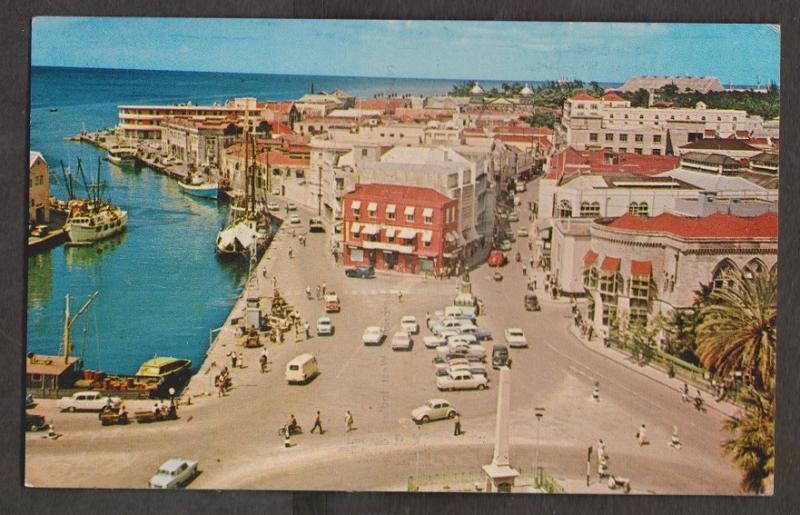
x: 34, y: 422
x: 364, y: 272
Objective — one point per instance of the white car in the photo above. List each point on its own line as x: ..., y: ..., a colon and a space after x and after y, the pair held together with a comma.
x: 447, y: 324
x: 433, y: 409
x: 513, y: 217
x: 461, y: 380
x: 522, y: 233
x: 173, y: 473
x: 291, y: 206
x: 87, y: 401
x: 505, y: 246
x: 515, y: 337
x: 273, y: 206
x: 294, y: 219
x: 409, y: 324
x: 373, y: 335
x: 432, y: 342
x: 401, y: 341
x: 324, y: 326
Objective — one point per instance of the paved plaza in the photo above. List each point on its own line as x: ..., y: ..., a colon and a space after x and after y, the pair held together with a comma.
x: 235, y: 438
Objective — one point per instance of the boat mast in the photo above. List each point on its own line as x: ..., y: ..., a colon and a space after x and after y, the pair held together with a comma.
x: 83, y: 178
x: 69, y: 321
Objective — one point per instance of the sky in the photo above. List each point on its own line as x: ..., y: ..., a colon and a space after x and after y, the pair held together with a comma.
x: 603, y: 52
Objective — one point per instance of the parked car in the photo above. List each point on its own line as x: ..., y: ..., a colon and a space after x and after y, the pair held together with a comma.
x: 432, y: 342
x: 433, y: 409
x: 373, y: 335
x: 409, y: 324
x: 456, y: 312
x: 87, y: 401
x: 315, y: 225
x: 513, y: 217
x: 291, y: 206
x: 401, y: 341
x: 505, y: 245
x: 273, y: 206
x: 447, y: 324
x: 515, y: 337
x: 34, y: 422
x: 520, y: 187
x: 294, y: 219
x: 480, y: 334
x: 496, y: 258
x: 332, y: 304
x: 276, y: 192
x: 174, y: 473
x: 324, y: 326
x: 462, y: 380
x: 364, y: 272
x: 509, y: 234
x: 522, y: 233
x: 444, y: 363
x: 472, y: 367
x: 302, y: 369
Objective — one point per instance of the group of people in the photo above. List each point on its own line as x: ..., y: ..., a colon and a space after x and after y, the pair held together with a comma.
x: 222, y: 382
x: 291, y: 427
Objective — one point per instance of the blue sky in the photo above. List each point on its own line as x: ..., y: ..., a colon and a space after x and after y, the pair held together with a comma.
x: 426, y: 49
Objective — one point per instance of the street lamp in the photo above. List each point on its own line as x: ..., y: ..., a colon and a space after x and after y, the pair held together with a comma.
x: 539, y: 413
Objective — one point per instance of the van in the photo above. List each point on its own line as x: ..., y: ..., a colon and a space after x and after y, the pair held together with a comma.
x: 302, y: 369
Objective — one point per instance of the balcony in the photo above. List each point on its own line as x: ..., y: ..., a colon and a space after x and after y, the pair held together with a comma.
x: 393, y: 247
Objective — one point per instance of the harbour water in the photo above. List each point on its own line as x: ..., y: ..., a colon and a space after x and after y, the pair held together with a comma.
x: 161, y: 286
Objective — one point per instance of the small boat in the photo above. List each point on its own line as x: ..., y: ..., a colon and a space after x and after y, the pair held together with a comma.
x: 117, y: 154
x: 197, y: 187
x: 53, y: 109
x: 95, y: 218
x: 169, y: 372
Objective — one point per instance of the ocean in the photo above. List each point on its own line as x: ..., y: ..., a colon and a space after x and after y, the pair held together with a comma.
x: 161, y: 288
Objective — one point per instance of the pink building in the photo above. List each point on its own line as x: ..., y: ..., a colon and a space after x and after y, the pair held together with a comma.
x: 402, y: 228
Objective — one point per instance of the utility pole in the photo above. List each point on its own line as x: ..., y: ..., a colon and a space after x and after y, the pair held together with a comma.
x: 539, y: 412
x: 319, y: 191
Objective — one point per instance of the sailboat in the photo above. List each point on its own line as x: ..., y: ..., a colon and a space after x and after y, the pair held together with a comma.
x: 249, y: 230
x: 93, y: 218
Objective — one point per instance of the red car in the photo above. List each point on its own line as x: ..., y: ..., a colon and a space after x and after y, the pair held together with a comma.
x: 496, y: 258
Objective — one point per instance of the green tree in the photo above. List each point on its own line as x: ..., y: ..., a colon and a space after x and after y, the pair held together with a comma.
x: 683, y: 324
x: 738, y: 329
x: 640, y: 98
x: 542, y: 120
x: 752, y: 447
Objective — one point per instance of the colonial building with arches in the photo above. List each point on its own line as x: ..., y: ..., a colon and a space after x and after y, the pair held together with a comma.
x: 642, y: 267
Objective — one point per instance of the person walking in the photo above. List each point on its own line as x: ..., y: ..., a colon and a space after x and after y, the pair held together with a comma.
x: 399, y: 296
x: 641, y: 436
x: 524, y: 270
x: 290, y: 253
x: 307, y: 329
x: 428, y: 319
x: 685, y: 393
x: 324, y: 288
x: 457, y: 425
x: 675, y: 441
x: 240, y: 360
x: 317, y: 423
x: 262, y: 360
x: 234, y: 357
x: 348, y: 421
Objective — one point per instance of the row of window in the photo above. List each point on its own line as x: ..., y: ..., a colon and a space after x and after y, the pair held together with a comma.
x: 592, y: 209
x: 638, y: 138
x: 612, y: 283
x: 656, y: 117
x: 389, y: 239
x: 391, y: 215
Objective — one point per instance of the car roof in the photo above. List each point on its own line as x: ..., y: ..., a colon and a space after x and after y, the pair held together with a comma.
x: 434, y: 401
x: 514, y: 329
x: 373, y: 328
x: 499, y: 346
x: 172, y: 464
x: 324, y: 319
x: 409, y: 317
x: 401, y: 334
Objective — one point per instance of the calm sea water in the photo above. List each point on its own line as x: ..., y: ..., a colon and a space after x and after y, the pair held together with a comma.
x: 161, y: 287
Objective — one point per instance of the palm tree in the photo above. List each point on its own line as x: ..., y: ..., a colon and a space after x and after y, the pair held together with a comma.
x: 753, y: 444
x: 738, y: 329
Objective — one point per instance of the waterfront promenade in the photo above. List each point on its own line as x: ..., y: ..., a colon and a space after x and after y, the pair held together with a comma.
x: 235, y: 437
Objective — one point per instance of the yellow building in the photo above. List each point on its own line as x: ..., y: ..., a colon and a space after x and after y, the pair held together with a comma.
x: 39, y: 190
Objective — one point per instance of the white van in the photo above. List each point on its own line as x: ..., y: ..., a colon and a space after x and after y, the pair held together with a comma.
x: 302, y: 369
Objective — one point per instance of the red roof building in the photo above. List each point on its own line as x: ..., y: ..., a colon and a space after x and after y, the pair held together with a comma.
x: 570, y: 162
x: 401, y: 228
x: 715, y: 226
x: 582, y: 96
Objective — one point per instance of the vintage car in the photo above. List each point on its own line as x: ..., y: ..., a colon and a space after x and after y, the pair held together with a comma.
x: 373, y: 335
x: 401, y: 341
x: 332, y: 304
x: 315, y: 225
x: 522, y: 233
x: 363, y: 272
x: 324, y: 326
x: 88, y: 401
x: 273, y: 206
x: 515, y: 337
x: 498, y: 275
x: 500, y: 356
x: 34, y: 422
x: 432, y: 342
x: 294, y: 220
x: 532, y: 302
x: 513, y: 217
x: 496, y: 258
x: 461, y: 380
x: 173, y: 473
x: 409, y: 324
x: 433, y: 409
x: 505, y: 245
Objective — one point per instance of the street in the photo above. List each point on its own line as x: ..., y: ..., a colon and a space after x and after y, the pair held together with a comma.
x: 235, y: 437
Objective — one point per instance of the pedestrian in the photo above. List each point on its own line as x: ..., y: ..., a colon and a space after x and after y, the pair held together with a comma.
x: 531, y: 261
x: 524, y: 270
x: 264, y: 273
x: 399, y: 296
x: 318, y: 424
x: 641, y: 436
x: 601, y: 449
x: 319, y: 290
x: 290, y: 253
x: 685, y: 393
x: 457, y: 425
x: 307, y: 329
x: 221, y: 391
x: 348, y: 421
x: 534, y: 283
x: 263, y: 360
x: 241, y: 360
x: 324, y: 288
x: 675, y: 441
x: 51, y: 433
x: 234, y: 357
x: 596, y: 392
x: 428, y: 319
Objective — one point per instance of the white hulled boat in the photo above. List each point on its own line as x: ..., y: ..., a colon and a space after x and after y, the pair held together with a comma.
x: 93, y: 219
x: 117, y: 154
x: 198, y: 187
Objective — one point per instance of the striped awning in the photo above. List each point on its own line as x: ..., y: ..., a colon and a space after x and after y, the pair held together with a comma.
x: 409, y: 210
x: 641, y: 268
x: 427, y: 236
x: 407, y: 234
x: 372, y: 206
x: 589, y: 258
x: 371, y: 230
x: 356, y: 204
x: 610, y: 264
x: 355, y: 228
x: 427, y: 212
x: 390, y: 232
x: 391, y: 208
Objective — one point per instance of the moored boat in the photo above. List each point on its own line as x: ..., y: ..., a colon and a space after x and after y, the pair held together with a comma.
x: 117, y: 154
x: 94, y: 218
x: 197, y: 187
x: 169, y: 372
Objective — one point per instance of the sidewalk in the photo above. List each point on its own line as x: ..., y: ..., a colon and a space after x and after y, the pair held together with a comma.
x: 596, y: 345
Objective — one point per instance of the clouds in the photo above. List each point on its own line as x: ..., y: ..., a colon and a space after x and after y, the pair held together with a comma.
x: 410, y: 48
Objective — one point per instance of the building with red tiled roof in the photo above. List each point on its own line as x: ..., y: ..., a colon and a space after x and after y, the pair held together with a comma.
x: 612, y: 97
x: 571, y: 162
x: 640, y: 268
x: 401, y: 228
x: 582, y: 96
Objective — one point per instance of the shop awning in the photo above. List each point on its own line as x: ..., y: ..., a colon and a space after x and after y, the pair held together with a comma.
x: 372, y: 206
x: 409, y: 210
x: 589, y: 258
x: 641, y: 268
x: 390, y: 232
x: 427, y: 236
x: 371, y: 229
x: 427, y: 212
x: 391, y: 208
x: 407, y: 234
x: 610, y: 264
x: 356, y: 204
x: 355, y: 228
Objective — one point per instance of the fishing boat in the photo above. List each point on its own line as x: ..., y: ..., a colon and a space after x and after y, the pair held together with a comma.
x: 197, y: 187
x: 118, y: 154
x: 249, y: 231
x: 94, y: 218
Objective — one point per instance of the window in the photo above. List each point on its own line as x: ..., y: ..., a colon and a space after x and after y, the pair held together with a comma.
x: 638, y: 316
x: 724, y: 275
x: 427, y: 243
x: 640, y: 287
x: 590, y: 277
x: 637, y: 151
x: 363, y: 152
x: 593, y: 136
x: 390, y: 215
x: 609, y: 137
x: 623, y: 137
x: 640, y: 209
x: 609, y: 282
x: 623, y: 149
x: 428, y: 219
x: 656, y: 151
x: 609, y: 314
x: 590, y: 210
x: 641, y: 117
x: 565, y: 209
x: 639, y: 138
x: 657, y: 138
